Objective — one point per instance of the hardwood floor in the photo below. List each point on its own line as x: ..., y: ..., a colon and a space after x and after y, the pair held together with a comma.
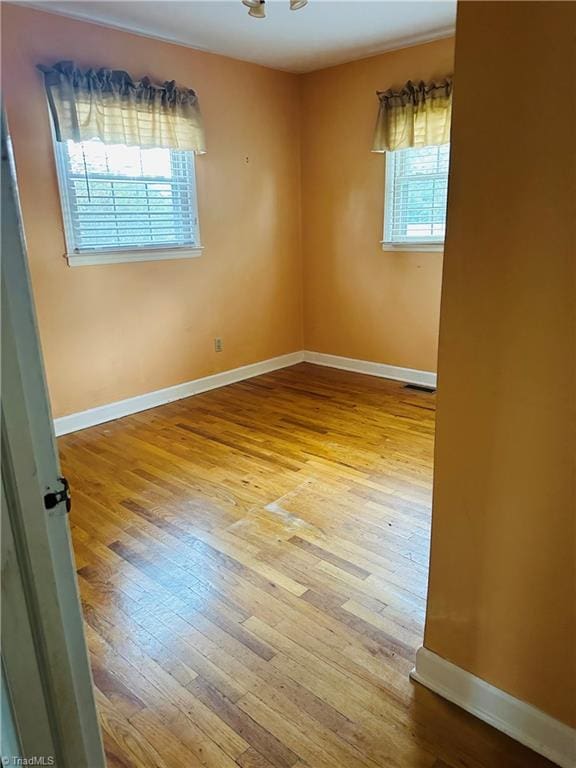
x: 252, y: 563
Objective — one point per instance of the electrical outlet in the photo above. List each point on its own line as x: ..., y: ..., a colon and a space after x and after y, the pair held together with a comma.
x: 218, y: 346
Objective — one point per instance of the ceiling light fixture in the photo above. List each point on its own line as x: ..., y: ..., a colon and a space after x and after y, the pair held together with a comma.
x: 257, y: 8
x: 258, y: 11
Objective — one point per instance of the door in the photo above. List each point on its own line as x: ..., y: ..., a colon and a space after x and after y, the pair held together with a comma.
x: 46, y: 682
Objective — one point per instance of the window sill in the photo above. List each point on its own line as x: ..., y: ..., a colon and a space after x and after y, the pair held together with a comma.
x: 124, y: 257
x: 413, y: 247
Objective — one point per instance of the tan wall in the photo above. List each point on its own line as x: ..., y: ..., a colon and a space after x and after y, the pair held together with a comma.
x: 502, y: 584
x: 360, y: 301
x: 110, y: 332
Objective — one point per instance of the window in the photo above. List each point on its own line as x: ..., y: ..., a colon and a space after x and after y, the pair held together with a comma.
x: 416, y: 193
x: 126, y: 203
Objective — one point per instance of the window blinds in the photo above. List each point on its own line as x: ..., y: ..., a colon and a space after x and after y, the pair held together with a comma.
x: 117, y: 197
x: 416, y: 195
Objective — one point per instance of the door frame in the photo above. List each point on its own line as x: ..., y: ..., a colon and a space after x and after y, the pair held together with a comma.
x: 38, y: 554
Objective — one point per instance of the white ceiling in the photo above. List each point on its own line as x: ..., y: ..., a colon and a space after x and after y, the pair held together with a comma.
x: 324, y: 33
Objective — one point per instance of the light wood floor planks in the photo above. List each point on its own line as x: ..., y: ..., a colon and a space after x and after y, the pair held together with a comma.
x: 252, y: 564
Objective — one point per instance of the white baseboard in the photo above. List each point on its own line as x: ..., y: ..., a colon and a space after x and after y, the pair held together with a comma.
x: 103, y: 413
x: 516, y: 718
x: 409, y: 375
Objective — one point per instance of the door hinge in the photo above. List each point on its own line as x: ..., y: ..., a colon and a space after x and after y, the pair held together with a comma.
x: 54, y: 498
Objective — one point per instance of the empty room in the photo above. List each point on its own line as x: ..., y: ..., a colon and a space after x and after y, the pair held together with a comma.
x: 288, y: 383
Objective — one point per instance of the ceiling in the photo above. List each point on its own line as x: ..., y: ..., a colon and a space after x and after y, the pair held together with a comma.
x: 324, y: 33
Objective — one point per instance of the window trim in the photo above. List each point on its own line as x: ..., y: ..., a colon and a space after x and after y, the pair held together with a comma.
x: 87, y: 259
x: 424, y: 245
x: 116, y: 255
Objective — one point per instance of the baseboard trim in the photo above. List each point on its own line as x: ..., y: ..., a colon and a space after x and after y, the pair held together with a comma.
x: 516, y: 718
x: 409, y: 375
x: 103, y: 413
x: 111, y: 411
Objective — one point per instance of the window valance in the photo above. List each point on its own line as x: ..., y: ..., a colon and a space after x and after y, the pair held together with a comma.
x: 109, y: 105
x: 417, y: 115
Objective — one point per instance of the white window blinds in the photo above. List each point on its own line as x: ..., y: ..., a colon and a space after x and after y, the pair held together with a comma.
x: 416, y: 195
x: 119, y: 197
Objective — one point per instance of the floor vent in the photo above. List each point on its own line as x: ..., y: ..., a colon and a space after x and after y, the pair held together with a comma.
x: 420, y: 387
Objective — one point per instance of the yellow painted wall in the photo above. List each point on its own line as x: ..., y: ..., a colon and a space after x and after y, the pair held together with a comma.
x: 502, y: 595
x: 115, y: 331
x: 359, y: 300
